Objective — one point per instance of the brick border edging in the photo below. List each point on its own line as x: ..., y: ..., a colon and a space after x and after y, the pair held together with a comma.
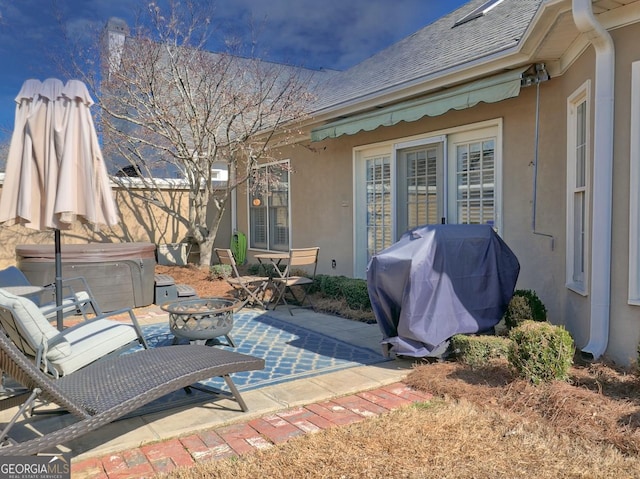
x: 246, y: 437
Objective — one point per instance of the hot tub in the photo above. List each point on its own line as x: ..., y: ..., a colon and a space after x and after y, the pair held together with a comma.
x: 120, y: 275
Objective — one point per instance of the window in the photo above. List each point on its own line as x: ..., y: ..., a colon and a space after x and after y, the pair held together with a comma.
x: 475, y: 185
x: 269, y: 221
x: 478, y: 12
x: 634, y: 188
x: 578, y: 188
x: 420, y: 185
x: 379, y: 212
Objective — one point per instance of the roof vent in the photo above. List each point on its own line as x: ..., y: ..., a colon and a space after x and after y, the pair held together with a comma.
x: 478, y: 12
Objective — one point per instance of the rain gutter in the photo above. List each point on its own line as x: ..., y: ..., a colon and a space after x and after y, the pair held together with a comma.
x: 602, y: 176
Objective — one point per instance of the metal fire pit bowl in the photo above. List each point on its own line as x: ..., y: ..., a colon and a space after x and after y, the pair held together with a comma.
x: 200, y: 320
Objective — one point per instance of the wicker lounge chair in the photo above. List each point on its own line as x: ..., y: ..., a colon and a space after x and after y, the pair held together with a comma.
x: 108, y: 390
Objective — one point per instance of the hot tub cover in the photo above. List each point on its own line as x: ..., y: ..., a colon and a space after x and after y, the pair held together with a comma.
x: 438, y: 281
x: 88, y: 253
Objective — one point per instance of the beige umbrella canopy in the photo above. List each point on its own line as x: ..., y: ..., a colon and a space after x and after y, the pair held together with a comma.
x: 83, y: 175
x: 55, y: 173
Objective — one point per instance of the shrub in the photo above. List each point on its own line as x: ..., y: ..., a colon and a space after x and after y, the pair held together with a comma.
x: 524, y: 306
x: 540, y: 351
x: 355, y: 293
x: 267, y: 269
x: 219, y: 271
x: 330, y: 286
x: 479, y: 350
x: 254, y: 269
x: 353, y: 290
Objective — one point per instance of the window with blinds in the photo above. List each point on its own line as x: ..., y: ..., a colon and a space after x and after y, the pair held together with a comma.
x: 378, y: 204
x: 269, y: 219
x: 578, y: 188
x: 475, y: 182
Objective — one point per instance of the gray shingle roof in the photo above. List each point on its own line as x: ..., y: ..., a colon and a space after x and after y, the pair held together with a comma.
x: 434, y: 49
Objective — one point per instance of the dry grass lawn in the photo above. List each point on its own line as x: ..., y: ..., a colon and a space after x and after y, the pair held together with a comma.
x: 483, y: 423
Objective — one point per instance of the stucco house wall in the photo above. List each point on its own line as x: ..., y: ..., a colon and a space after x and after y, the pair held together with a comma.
x: 624, y: 332
x: 322, y: 185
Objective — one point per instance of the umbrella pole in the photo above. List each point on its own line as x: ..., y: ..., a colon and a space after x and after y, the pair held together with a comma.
x: 58, y: 261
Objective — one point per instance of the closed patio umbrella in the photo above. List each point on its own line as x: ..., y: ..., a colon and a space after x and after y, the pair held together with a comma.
x: 55, y: 173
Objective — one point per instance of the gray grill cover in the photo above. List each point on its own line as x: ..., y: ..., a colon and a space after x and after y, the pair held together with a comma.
x: 438, y: 281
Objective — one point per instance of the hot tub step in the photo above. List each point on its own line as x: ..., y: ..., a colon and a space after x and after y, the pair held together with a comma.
x: 166, y: 289
x: 185, y: 291
x: 163, y: 280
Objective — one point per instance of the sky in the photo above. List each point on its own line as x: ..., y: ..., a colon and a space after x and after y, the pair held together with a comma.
x: 332, y: 34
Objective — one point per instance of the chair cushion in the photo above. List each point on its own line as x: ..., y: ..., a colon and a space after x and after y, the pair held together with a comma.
x: 34, y: 327
x: 92, y: 340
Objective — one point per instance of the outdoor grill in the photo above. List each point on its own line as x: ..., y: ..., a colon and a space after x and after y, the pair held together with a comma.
x: 438, y: 281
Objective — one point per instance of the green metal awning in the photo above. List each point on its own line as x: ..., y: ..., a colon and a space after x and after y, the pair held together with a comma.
x: 488, y: 90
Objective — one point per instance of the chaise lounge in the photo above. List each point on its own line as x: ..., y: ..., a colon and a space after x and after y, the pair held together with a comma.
x: 109, y: 389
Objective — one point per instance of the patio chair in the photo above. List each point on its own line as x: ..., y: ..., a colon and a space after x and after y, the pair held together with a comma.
x: 107, y: 390
x: 248, y: 289
x: 62, y: 352
x: 301, y: 260
x: 74, y: 302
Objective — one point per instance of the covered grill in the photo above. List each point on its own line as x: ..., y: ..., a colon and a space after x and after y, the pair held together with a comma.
x: 438, y: 281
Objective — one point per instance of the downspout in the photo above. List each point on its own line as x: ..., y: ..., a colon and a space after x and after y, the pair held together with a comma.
x: 540, y: 75
x: 602, y: 176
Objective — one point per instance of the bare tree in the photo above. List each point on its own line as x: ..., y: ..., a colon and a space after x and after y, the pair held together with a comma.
x: 171, y: 108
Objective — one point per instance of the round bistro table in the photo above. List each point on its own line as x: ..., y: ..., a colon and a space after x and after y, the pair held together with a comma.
x: 201, y: 320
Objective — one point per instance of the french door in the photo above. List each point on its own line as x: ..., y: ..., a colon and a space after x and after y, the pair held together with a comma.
x: 444, y: 179
x: 420, y: 186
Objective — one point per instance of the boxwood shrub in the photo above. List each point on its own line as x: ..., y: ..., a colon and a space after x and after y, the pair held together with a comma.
x: 525, y: 305
x: 479, y: 350
x: 353, y: 290
x: 540, y: 352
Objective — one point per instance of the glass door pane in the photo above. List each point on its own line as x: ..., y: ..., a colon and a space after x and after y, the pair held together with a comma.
x: 378, y: 204
x: 420, y: 186
x: 279, y: 211
x: 475, y: 182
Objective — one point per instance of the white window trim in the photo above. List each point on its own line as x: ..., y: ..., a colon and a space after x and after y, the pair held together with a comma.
x: 420, y: 142
x: 360, y: 154
x: 634, y: 188
x: 583, y: 93
x: 248, y: 197
x: 469, y: 136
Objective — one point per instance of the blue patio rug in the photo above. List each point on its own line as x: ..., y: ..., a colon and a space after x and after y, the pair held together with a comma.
x: 290, y: 352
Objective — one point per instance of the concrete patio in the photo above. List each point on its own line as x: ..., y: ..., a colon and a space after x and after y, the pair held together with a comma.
x: 129, y: 434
